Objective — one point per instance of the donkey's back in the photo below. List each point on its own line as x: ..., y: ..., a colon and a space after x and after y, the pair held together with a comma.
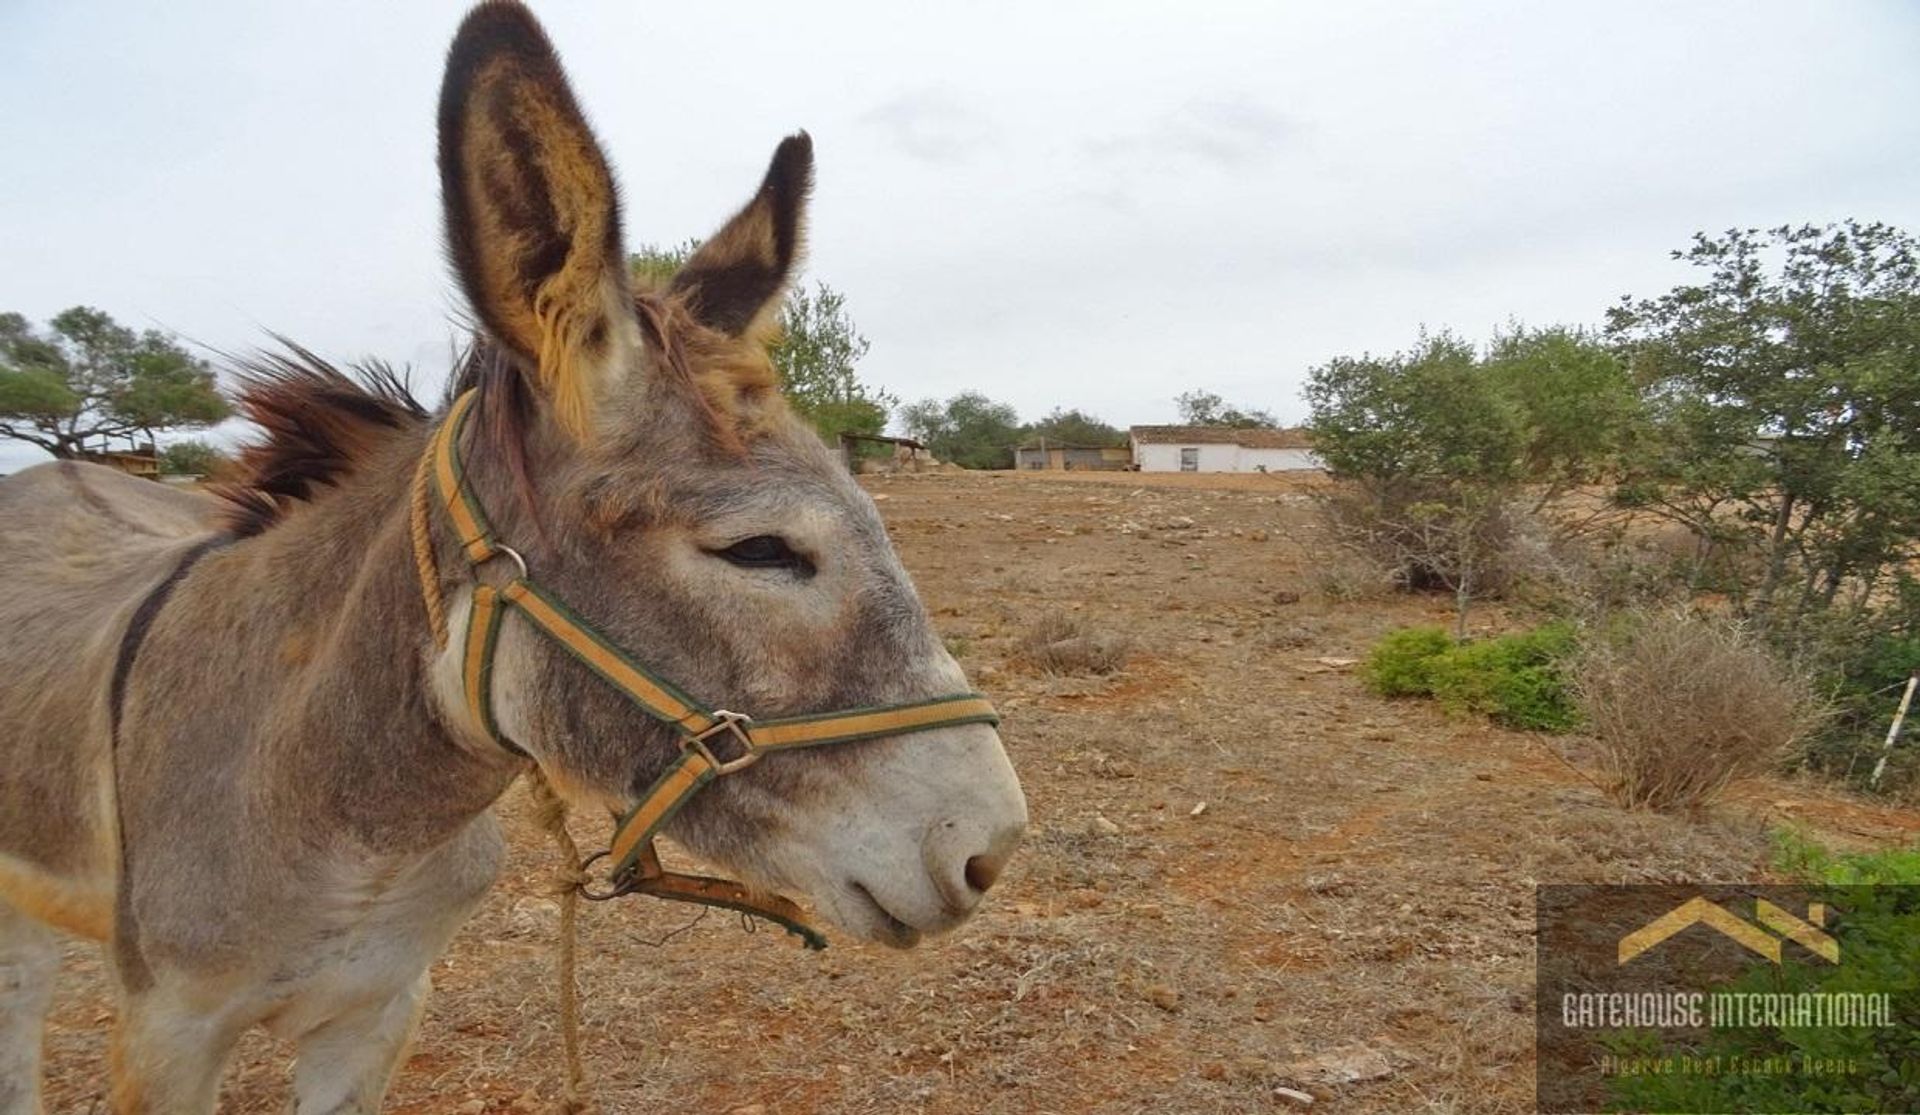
x: 81, y: 547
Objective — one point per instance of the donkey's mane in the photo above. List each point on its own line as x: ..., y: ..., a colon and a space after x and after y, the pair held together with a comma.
x: 318, y: 423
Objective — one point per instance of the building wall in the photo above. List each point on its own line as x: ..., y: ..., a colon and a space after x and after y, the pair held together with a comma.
x: 1155, y: 457
x: 1073, y: 458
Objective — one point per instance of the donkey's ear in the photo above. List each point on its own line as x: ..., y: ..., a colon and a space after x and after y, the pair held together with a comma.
x: 533, y: 219
x: 741, y: 273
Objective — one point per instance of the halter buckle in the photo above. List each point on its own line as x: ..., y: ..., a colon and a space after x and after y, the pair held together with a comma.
x: 733, y: 723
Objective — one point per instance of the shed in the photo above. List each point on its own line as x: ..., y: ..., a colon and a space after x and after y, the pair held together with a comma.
x: 135, y: 460
x: 905, y: 454
x: 1061, y: 456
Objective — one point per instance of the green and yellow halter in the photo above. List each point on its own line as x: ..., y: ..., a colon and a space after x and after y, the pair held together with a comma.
x: 636, y: 864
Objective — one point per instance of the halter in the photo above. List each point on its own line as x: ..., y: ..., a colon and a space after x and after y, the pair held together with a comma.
x: 714, y: 742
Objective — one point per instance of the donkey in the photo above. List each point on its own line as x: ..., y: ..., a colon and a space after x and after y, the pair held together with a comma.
x: 233, y: 750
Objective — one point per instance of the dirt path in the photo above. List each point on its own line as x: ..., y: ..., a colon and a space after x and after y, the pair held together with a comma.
x: 1357, y: 884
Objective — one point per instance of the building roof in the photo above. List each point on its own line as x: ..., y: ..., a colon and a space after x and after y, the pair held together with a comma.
x: 882, y: 439
x: 1295, y: 438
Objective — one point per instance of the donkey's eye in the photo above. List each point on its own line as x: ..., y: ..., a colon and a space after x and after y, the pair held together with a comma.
x: 766, y: 551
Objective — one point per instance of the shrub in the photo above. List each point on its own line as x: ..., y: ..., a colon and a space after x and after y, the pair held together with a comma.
x: 1862, y: 663
x: 192, y: 457
x: 1804, y: 858
x: 1401, y: 664
x: 1059, y: 644
x: 1681, y: 706
x: 1517, y: 680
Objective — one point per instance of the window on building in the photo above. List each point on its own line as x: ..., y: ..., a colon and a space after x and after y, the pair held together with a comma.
x: 1190, y: 460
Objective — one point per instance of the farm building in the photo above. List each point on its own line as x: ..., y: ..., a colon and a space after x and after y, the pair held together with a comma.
x: 1221, y: 449
x: 135, y: 460
x: 1078, y: 458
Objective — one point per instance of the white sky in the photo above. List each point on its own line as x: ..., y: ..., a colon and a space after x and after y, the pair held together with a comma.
x: 1085, y: 204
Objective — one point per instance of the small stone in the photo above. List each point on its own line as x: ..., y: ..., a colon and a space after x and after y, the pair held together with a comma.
x: 1261, y: 536
x: 1103, y: 827
x: 1164, y: 997
x: 1197, y: 810
x: 1348, y: 1064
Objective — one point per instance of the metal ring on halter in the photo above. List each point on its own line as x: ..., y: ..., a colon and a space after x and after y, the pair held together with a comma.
x: 615, y: 887
x: 503, y: 550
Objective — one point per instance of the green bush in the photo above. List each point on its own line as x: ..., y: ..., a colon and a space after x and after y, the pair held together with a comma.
x: 1804, y: 858
x: 1516, y: 680
x: 1401, y: 664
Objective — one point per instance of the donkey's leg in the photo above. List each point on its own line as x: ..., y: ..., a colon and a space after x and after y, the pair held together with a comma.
x: 343, y: 1066
x: 168, y: 1053
x: 29, y: 962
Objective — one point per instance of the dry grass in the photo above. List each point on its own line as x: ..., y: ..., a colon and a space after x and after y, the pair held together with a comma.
x: 1060, y: 644
x: 1681, y: 706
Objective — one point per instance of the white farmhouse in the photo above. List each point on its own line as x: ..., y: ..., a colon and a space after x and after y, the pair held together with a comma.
x: 1220, y: 449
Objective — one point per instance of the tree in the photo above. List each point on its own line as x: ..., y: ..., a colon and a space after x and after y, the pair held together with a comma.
x: 1430, y: 450
x: 192, y: 457
x: 1575, y: 402
x: 1437, y: 445
x: 1074, y: 427
x: 655, y: 266
x: 89, y: 377
x: 969, y: 429
x: 1783, y: 392
x: 1204, y: 408
x: 816, y: 354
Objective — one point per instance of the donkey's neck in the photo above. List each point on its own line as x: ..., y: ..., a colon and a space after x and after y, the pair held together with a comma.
x: 348, y: 742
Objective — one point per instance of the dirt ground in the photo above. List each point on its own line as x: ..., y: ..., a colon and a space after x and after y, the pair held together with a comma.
x: 1244, y: 873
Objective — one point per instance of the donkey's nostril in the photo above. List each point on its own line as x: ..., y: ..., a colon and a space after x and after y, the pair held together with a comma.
x: 983, y: 871
x: 964, y: 861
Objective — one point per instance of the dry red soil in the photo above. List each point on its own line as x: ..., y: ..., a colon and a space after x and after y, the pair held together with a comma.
x: 1355, y: 899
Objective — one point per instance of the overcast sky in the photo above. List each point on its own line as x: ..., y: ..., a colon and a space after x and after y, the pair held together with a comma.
x: 1097, y: 205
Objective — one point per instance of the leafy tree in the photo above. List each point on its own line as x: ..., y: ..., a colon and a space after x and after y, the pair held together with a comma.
x: 1428, y: 416
x: 192, y: 457
x: 969, y: 429
x: 1074, y: 427
x: 1575, y: 402
x: 818, y: 349
x: 1204, y: 408
x: 88, y: 377
x: 1438, y: 444
x: 1784, y: 396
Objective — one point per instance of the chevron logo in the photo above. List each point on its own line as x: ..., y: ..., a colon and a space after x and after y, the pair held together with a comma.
x: 1775, y: 926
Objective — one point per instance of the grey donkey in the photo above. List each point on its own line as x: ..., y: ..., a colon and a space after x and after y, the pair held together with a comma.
x: 232, y: 751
